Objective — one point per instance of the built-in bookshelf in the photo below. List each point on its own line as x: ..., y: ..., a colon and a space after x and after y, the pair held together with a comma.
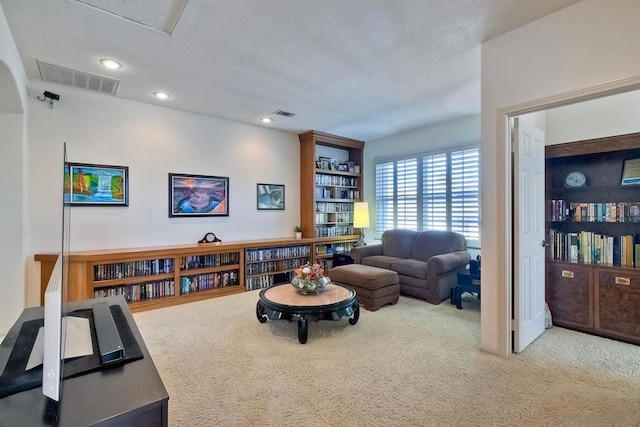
x: 330, y: 183
x: 593, y: 227
x: 161, y: 276
x: 267, y: 266
x: 324, y: 252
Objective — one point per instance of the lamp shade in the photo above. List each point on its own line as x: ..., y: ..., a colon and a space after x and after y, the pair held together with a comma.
x: 361, y: 214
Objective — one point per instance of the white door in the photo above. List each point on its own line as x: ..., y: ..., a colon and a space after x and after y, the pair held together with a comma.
x: 529, y: 234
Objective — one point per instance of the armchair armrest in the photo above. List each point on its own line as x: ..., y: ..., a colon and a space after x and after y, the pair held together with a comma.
x: 451, y: 261
x: 360, y: 252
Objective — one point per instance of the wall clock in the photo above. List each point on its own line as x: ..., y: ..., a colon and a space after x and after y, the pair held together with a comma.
x: 575, y: 179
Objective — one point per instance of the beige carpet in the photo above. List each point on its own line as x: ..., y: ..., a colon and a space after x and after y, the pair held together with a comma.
x: 412, y: 364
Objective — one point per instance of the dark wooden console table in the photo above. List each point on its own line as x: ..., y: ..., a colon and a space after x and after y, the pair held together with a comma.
x: 126, y: 395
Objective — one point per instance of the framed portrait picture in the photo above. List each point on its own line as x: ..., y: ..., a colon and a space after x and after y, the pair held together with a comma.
x: 334, y: 165
x: 96, y: 185
x: 325, y: 162
x: 270, y: 197
x: 198, y: 195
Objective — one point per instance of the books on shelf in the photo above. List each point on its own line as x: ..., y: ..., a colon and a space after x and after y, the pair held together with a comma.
x: 589, y: 247
x: 138, y: 292
x: 121, y: 270
x: 562, y: 210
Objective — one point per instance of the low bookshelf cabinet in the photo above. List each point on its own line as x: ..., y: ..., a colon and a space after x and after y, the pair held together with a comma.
x: 593, y: 226
x: 156, y: 277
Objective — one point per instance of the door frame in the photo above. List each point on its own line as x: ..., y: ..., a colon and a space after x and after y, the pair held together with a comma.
x: 503, y: 116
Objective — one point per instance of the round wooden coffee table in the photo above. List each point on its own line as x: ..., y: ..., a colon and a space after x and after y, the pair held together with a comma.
x: 283, y: 302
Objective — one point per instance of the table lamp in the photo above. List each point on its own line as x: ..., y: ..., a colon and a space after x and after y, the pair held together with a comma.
x: 361, y: 220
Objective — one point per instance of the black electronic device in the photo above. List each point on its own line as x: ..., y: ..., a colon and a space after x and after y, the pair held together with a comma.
x: 109, y: 342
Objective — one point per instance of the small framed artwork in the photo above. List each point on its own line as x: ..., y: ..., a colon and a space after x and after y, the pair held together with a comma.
x: 270, y: 197
x: 318, y: 164
x: 343, y: 167
x: 631, y: 172
x: 96, y: 185
x: 325, y: 162
x: 334, y: 165
x: 198, y: 195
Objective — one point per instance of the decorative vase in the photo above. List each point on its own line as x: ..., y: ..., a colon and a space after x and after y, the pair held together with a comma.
x: 310, y: 287
x: 298, y: 235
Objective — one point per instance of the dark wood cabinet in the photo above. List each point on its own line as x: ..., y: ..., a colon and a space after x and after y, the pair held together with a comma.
x: 617, y: 301
x: 569, y: 293
x: 592, y: 277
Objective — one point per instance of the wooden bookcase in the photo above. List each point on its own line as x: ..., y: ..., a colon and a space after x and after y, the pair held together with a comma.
x: 327, y: 196
x: 161, y: 276
x: 592, y: 277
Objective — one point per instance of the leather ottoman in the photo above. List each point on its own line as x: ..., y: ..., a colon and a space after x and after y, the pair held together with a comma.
x: 374, y: 286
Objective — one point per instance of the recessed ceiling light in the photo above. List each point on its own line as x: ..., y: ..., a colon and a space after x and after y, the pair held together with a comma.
x: 266, y: 119
x: 111, y: 64
x: 162, y: 95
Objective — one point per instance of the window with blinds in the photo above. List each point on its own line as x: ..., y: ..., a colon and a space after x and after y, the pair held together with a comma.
x: 431, y: 191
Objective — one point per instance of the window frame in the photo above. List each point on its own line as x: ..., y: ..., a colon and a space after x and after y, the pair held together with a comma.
x: 420, y: 172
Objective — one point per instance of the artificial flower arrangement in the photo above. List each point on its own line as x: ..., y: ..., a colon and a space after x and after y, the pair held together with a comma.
x: 310, y: 278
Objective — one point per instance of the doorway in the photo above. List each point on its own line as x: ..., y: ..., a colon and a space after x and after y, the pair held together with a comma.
x: 575, y: 118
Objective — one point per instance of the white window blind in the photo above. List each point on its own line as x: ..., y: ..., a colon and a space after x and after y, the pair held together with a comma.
x: 407, y: 194
x: 434, y: 190
x: 465, y: 193
x: 385, y: 196
x: 431, y: 191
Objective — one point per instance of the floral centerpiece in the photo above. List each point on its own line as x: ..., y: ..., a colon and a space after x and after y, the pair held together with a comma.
x: 310, y: 279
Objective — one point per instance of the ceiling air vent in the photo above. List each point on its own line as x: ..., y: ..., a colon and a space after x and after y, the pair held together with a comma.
x: 284, y: 113
x: 67, y: 76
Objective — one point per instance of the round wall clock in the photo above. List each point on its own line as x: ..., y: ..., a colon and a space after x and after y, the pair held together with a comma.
x: 575, y: 179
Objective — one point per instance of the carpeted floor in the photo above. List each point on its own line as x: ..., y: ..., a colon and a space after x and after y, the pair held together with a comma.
x: 412, y: 364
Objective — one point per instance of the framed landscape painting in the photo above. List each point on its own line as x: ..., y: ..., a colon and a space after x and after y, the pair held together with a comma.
x: 270, y: 197
x: 96, y: 185
x: 198, y: 195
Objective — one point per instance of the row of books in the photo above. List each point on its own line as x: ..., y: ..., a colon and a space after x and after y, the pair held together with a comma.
x: 594, y: 248
x: 203, y: 282
x: 324, y: 218
x: 271, y: 266
x: 259, y: 282
x: 141, y: 291
x: 327, y: 193
x: 334, y: 231
x: 121, y: 270
x: 326, y: 264
x: 255, y: 255
x: 209, y: 260
x: 334, y: 180
x: 562, y: 210
x: 328, y: 207
x: 329, y: 249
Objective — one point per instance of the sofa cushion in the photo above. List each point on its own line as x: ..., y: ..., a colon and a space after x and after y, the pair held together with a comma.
x: 435, y: 242
x: 380, y: 261
x: 411, y: 267
x: 398, y: 243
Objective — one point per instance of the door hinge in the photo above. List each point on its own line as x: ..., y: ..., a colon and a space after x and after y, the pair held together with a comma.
x: 514, y: 324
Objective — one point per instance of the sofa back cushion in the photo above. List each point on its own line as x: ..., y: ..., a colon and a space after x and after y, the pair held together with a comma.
x: 435, y: 242
x: 398, y: 243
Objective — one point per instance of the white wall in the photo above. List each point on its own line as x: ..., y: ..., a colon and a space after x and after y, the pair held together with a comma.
x: 152, y: 141
x: 13, y: 215
x: 588, y: 44
x: 441, y: 136
x: 597, y: 118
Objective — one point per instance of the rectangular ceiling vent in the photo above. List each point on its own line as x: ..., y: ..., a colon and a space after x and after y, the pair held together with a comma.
x: 284, y: 113
x: 67, y: 76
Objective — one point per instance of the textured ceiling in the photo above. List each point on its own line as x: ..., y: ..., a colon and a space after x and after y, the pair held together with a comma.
x: 363, y: 69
